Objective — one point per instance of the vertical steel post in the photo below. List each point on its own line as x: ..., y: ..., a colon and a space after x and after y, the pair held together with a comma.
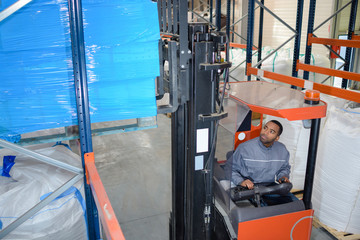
x: 164, y: 19
x: 202, y: 101
x: 310, y: 30
x: 351, y: 29
x: 311, y: 162
x: 228, y: 18
x: 261, y: 28
x: 176, y: 16
x: 183, y: 34
x: 179, y: 144
x: 211, y: 11
x: 192, y: 10
x: 159, y: 15
x: 179, y: 125
x: 185, y: 53
x: 218, y: 14
x: 170, y: 17
x: 82, y: 103
x: 250, y: 33
x: 299, y: 16
x: 233, y: 22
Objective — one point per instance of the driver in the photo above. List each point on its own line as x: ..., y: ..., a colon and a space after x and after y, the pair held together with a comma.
x: 263, y: 160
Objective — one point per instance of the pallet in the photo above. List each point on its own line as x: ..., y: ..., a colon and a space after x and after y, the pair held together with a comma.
x: 297, y: 193
x: 337, y: 234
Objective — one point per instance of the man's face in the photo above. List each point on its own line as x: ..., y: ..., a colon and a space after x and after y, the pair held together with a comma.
x: 269, y: 134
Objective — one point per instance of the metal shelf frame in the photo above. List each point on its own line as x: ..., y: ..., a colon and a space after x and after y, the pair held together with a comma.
x: 95, y: 195
x: 228, y: 28
x: 294, y: 81
x: 350, y: 44
x: 250, y: 34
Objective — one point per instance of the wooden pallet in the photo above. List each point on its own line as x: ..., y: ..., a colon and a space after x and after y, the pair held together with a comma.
x: 337, y: 234
x: 297, y: 193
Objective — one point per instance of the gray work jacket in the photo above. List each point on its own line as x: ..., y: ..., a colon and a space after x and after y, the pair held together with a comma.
x: 252, y: 160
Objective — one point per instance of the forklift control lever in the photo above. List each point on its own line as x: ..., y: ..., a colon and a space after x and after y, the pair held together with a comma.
x: 239, y: 193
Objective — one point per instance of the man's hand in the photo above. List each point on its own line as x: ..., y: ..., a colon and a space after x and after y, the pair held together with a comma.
x: 247, y: 183
x: 284, y: 180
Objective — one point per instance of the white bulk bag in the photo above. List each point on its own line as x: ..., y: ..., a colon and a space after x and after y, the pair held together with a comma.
x: 336, y: 193
x: 30, y: 180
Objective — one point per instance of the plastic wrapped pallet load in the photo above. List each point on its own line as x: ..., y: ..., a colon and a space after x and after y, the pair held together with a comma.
x: 30, y: 181
x: 37, y: 87
x: 336, y: 193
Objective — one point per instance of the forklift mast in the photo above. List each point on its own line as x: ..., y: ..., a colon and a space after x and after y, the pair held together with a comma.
x: 194, y: 136
x: 193, y: 52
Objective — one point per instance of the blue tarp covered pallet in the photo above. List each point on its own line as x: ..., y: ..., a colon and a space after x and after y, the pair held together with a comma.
x: 36, y: 76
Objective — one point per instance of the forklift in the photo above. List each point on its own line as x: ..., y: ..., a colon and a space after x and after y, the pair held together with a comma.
x: 197, y: 81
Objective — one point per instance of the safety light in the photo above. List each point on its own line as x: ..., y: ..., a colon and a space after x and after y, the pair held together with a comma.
x: 312, y: 97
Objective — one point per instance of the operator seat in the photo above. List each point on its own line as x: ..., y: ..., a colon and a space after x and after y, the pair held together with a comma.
x: 242, y: 211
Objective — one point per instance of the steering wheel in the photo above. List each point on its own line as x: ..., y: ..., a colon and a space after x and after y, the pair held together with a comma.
x: 239, y: 193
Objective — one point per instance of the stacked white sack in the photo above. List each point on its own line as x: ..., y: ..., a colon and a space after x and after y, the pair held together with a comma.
x: 30, y: 179
x: 296, y: 139
x: 336, y: 193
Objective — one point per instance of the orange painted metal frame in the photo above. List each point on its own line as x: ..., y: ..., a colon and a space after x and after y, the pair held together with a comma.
x: 296, y: 226
x: 252, y: 133
x: 355, y: 37
x: 165, y: 36
x: 107, y: 216
x: 329, y: 71
x: 291, y: 114
x: 334, y: 91
x: 355, y: 43
x: 239, y: 45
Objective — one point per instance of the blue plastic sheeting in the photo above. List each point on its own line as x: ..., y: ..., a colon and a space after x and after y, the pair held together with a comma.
x: 37, y: 87
x: 8, y: 163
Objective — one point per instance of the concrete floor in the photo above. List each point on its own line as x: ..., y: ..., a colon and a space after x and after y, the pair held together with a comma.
x: 135, y: 168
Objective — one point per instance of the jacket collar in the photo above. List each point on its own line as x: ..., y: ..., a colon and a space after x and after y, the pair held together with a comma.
x: 262, y: 145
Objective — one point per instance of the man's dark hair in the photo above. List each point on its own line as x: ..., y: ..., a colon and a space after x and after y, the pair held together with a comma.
x: 280, y: 126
